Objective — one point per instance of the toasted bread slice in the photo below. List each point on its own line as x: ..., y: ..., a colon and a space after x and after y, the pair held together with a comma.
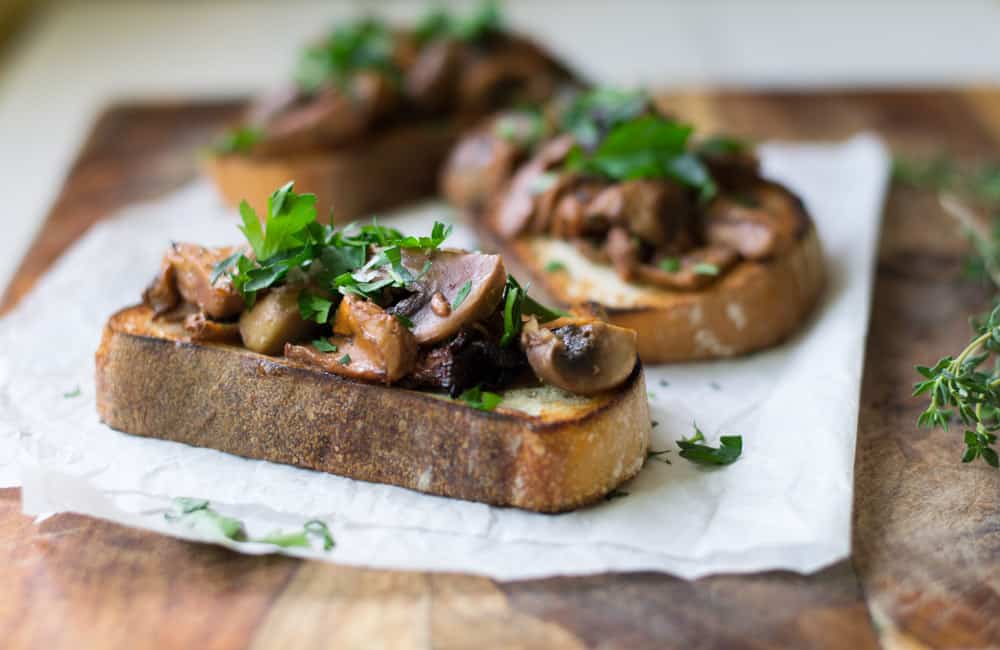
x: 542, y: 449
x: 755, y: 305
x: 382, y: 171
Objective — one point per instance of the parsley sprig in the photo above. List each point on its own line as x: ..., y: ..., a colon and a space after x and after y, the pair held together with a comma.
x: 439, y: 23
x: 364, y: 44
x: 516, y: 302
x: 695, y: 450
x: 356, y: 259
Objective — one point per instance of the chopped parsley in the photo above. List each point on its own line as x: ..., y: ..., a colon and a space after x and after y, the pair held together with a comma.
x: 591, y: 114
x: 73, y: 393
x: 407, y: 323
x: 238, y: 140
x: 517, y: 302
x: 670, y: 264
x: 660, y: 455
x: 196, y: 514
x: 555, y: 266
x: 486, y: 21
x: 480, y: 399
x: 721, y: 145
x: 462, y: 294
x: 324, y: 346
x: 364, y: 44
x: 695, y: 451
x: 314, y: 308
x: 359, y: 259
x: 345, y: 360
x: 704, y: 268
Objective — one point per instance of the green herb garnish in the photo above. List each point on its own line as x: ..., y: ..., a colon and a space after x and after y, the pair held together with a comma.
x: 704, y: 268
x: 721, y: 145
x: 615, y: 494
x: 345, y: 360
x: 324, y: 346
x: 407, y: 323
x: 592, y: 114
x: 364, y: 44
x: 314, y: 308
x: 670, y: 264
x: 238, y: 140
x: 659, y: 455
x: 645, y: 147
x: 486, y: 21
x: 462, y: 294
x: 480, y: 399
x: 73, y: 393
x: 196, y: 514
x: 957, y: 387
x: 693, y: 450
x: 555, y: 266
x: 516, y: 302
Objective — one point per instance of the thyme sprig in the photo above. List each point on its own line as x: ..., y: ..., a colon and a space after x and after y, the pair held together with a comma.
x: 959, y: 388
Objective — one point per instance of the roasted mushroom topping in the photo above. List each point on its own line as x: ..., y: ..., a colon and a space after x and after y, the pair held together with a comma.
x: 186, y: 273
x: 469, y: 284
x: 273, y: 321
x: 580, y: 355
x: 762, y: 221
x: 657, y: 211
x: 695, y: 270
x: 371, y: 344
x: 514, y: 211
x: 431, y: 82
x: 202, y: 328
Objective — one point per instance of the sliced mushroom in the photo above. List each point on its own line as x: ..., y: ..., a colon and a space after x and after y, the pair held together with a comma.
x: 762, y: 221
x: 623, y: 251
x: 657, y: 211
x: 514, y: 210
x: 452, y: 273
x: 580, y: 355
x: 161, y: 296
x: 192, y: 267
x: 478, y: 168
x: 273, y: 321
x: 202, y: 328
x: 430, y: 83
x: 516, y: 70
x: 371, y: 344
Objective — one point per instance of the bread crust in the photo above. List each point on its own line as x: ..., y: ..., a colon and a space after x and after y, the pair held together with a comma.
x: 152, y: 382
x: 754, y: 305
x: 379, y: 172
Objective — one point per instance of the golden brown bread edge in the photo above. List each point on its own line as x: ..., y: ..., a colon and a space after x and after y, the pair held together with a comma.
x: 381, y: 171
x: 155, y: 384
x: 753, y: 306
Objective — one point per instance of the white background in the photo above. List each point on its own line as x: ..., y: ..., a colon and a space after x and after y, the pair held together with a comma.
x: 76, y: 57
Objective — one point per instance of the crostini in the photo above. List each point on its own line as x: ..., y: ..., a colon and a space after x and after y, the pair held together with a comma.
x: 377, y: 356
x: 603, y: 197
x: 374, y: 110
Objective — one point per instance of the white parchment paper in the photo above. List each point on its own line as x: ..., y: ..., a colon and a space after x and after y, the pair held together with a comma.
x: 785, y: 504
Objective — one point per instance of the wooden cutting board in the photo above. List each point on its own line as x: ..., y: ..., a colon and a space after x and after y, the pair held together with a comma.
x: 926, y: 565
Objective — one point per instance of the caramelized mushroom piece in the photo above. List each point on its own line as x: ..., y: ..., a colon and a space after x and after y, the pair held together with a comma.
x: 760, y: 222
x: 518, y: 70
x: 273, y: 321
x: 623, y: 251
x: 186, y: 273
x: 580, y: 355
x: 202, y: 328
x: 478, y: 168
x: 513, y: 212
x: 371, y: 344
x: 657, y: 211
x: 695, y: 270
x: 430, y: 82
x: 480, y: 278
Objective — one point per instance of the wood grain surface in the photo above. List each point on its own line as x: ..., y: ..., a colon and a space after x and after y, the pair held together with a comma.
x: 925, y: 571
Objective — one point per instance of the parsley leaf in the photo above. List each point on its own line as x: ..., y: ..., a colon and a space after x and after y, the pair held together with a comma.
x: 462, y: 294
x: 73, y: 393
x: 407, y: 323
x: 440, y: 24
x: 721, y: 145
x: 670, y: 264
x: 693, y: 450
x: 554, y: 266
x: 704, y: 268
x: 196, y: 514
x: 345, y: 360
x: 238, y: 140
x: 314, y: 308
x: 592, y: 114
x: 516, y: 302
x: 480, y: 399
x: 324, y: 345
x: 364, y: 44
